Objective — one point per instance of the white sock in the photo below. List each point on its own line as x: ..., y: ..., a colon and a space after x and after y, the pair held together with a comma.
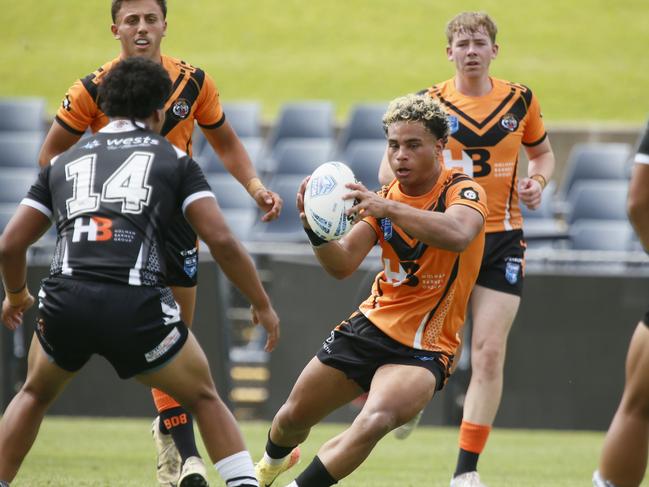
x: 273, y: 461
x: 237, y: 470
x: 293, y: 484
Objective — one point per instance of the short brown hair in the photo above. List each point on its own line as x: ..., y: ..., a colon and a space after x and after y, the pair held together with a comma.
x: 117, y: 5
x: 471, y: 22
x: 418, y: 108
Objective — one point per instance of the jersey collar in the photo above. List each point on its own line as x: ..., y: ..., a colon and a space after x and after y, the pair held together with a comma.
x: 121, y: 125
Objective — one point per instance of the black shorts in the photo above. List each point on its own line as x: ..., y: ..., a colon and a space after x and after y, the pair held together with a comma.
x: 358, y: 348
x: 503, y: 262
x: 136, y: 328
x: 181, y: 255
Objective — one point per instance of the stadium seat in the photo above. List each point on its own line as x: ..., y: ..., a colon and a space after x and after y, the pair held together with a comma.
x: 365, y: 122
x: 22, y: 114
x: 6, y: 212
x: 587, y: 234
x: 299, y: 156
x: 288, y: 227
x: 210, y: 161
x: 14, y: 184
x: 600, y: 200
x: 229, y: 192
x: 596, y: 161
x: 245, y: 117
x: 20, y: 149
x: 364, y: 158
x: 241, y: 221
x: 307, y: 119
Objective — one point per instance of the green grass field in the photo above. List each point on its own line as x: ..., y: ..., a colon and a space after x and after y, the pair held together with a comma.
x: 103, y: 452
x: 585, y: 59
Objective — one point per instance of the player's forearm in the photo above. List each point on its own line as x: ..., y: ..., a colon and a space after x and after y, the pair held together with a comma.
x: 238, y: 163
x: 433, y: 228
x: 542, y: 164
x: 238, y: 267
x: 335, y: 259
x: 13, y: 265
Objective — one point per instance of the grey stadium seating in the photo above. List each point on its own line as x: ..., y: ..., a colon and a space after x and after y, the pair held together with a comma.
x: 14, y: 184
x: 210, y: 161
x: 365, y: 122
x: 595, y: 161
x: 20, y: 149
x: 587, y: 234
x: 22, y: 114
x: 299, y: 156
x: 603, y: 200
x: 306, y: 119
x: 364, y: 158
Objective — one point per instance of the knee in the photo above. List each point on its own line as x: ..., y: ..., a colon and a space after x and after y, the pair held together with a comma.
x: 376, y: 424
x: 488, y: 360
x: 291, y: 418
x: 636, y: 404
x: 38, y: 396
x: 203, y: 396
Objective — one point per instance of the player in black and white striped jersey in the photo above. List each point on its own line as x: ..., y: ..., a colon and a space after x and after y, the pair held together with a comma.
x: 111, y: 197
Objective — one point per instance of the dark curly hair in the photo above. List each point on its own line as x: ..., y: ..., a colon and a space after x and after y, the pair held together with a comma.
x: 134, y: 88
x: 117, y: 4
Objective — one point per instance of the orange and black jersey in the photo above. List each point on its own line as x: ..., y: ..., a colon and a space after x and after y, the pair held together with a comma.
x: 420, y: 297
x: 194, y: 96
x: 486, y: 134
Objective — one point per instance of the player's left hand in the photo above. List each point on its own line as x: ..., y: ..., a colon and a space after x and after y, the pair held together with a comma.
x: 269, y: 202
x: 529, y: 192
x: 12, y: 316
x: 367, y: 203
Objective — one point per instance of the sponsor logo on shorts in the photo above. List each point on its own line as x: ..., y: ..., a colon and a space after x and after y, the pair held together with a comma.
x: 190, y: 263
x: 424, y: 358
x: 453, y: 124
x: 181, y: 109
x: 164, y: 346
x: 509, y: 122
x: 329, y: 340
x: 512, y: 271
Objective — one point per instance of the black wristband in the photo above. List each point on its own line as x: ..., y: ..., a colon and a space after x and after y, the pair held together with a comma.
x: 315, y: 240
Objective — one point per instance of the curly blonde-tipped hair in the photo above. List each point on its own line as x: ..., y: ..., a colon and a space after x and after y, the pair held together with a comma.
x: 418, y: 108
x: 470, y: 23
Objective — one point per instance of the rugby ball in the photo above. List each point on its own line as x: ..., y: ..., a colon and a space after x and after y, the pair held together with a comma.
x: 324, y: 206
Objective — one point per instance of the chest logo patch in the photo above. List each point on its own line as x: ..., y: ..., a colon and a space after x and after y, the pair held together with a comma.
x: 181, y: 108
x: 509, y: 122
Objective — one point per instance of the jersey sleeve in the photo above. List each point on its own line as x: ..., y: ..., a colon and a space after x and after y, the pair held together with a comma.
x: 193, y: 185
x: 534, y: 132
x: 78, y: 109
x: 642, y: 156
x: 209, y: 112
x: 39, y: 195
x: 468, y: 193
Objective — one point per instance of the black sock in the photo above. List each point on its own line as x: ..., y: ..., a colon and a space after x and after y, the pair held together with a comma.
x: 315, y: 475
x: 467, y: 461
x: 179, y: 423
x: 276, y: 451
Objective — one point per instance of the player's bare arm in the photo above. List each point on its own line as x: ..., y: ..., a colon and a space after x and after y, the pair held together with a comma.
x: 340, y: 258
x: 638, y: 203
x: 208, y: 222
x: 24, y: 228
x: 227, y: 145
x: 539, y: 170
x: 385, y: 171
x: 58, y: 140
x: 452, y: 230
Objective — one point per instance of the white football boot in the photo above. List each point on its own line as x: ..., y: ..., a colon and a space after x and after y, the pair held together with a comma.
x: 468, y: 479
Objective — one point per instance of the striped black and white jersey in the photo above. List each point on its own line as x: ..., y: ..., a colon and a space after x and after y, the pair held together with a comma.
x: 642, y: 156
x: 112, y: 197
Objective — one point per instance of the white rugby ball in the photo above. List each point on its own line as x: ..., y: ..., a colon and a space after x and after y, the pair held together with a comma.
x: 323, y: 203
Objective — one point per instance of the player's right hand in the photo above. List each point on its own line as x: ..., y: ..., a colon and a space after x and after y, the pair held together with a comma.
x: 12, y: 316
x: 267, y: 317
x: 299, y: 202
